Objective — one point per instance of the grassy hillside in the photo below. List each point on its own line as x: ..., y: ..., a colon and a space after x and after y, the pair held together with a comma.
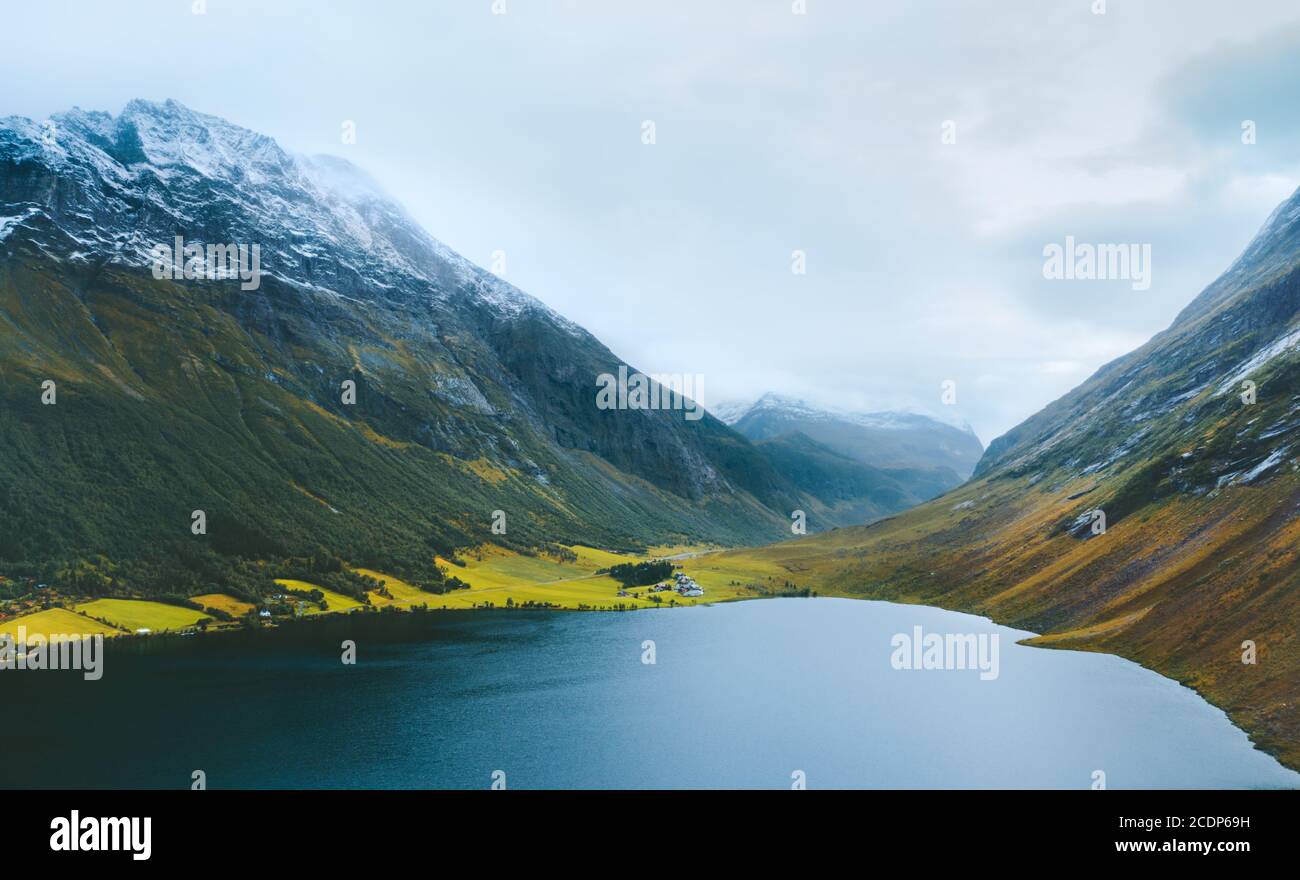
x: 54, y: 623
x: 573, y: 578
x: 500, y: 578
x: 167, y: 403
x: 376, y: 397
x: 1177, y: 587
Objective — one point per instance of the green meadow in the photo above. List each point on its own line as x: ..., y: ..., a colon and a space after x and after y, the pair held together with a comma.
x: 137, y: 614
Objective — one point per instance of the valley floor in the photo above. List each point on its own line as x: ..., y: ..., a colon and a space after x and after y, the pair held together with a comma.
x: 498, y: 578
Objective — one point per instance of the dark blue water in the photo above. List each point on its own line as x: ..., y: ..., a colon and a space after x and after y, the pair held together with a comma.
x: 741, y: 695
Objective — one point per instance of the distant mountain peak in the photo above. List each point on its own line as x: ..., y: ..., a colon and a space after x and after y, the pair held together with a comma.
x: 887, y: 439
x: 171, y: 134
x: 732, y: 412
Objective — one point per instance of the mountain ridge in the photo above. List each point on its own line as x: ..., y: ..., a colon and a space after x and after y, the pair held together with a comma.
x: 470, y: 396
x: 474, y: 392
x: 927, y: 455
x: 731, y: 412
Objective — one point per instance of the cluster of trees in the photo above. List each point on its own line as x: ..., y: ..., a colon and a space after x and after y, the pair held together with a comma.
x: 431, y: 580
x: 173, y: 576
x: 450, y: 583
x: 186, y: 570
x: 559, y: 552
x: 326, y: 570
x: 314, y: 596
x: 640, y: 574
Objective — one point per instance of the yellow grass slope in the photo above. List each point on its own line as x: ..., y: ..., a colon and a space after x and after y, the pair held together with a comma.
x: 500, y: 578
x: 222, y: 602
x: 333, y: 601
x: 137, y: 614
x: 54, y: 623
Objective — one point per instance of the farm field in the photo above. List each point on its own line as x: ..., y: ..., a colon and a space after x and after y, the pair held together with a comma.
x: 498, y: 578
x: 222, y: 602
x: 57, y: 621
x: 404, y: 595
x: 334, y: 601
x: 501, y: 577
x: 135, y: 614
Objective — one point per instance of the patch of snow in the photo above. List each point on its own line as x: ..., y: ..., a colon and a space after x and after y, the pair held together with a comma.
x: 1186, y: 395
x: 898, y: 419
x: 8, y: 224
x: 461, y: 391
x: 731, y: 411
x: 316, y: 215
x: 1273, y: 460
x: 1275, y: 348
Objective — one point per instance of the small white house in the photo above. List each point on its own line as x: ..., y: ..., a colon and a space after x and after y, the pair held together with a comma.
x: 687, y: 587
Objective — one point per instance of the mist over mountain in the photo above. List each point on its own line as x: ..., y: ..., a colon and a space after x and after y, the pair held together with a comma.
x: 901, y: 458
x: 882, y: 439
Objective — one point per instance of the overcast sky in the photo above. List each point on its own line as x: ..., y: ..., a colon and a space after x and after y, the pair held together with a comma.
x: 774, y: 132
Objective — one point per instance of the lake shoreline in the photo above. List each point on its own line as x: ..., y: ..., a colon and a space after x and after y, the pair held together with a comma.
x: 464, y: 694
x: 407, y: 623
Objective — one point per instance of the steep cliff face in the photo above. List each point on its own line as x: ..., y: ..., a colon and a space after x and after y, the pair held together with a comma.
x: 1189, y: 448
x: 214, y: 393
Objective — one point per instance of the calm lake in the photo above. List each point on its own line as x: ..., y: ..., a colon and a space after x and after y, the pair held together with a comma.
x: 740, y: 695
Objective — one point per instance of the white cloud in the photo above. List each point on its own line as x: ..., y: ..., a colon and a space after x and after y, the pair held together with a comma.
x: 775, y: 132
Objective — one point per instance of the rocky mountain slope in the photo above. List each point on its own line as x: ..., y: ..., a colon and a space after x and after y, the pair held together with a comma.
x: 1190, y: 448
x: 175, y: 395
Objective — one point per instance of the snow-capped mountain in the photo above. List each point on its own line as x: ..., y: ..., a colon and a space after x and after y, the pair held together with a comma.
x: 470, y: 395
x: 114, y: 187
x: 727, y: 411
x: 732, y: 411
x: 1163, y: 402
